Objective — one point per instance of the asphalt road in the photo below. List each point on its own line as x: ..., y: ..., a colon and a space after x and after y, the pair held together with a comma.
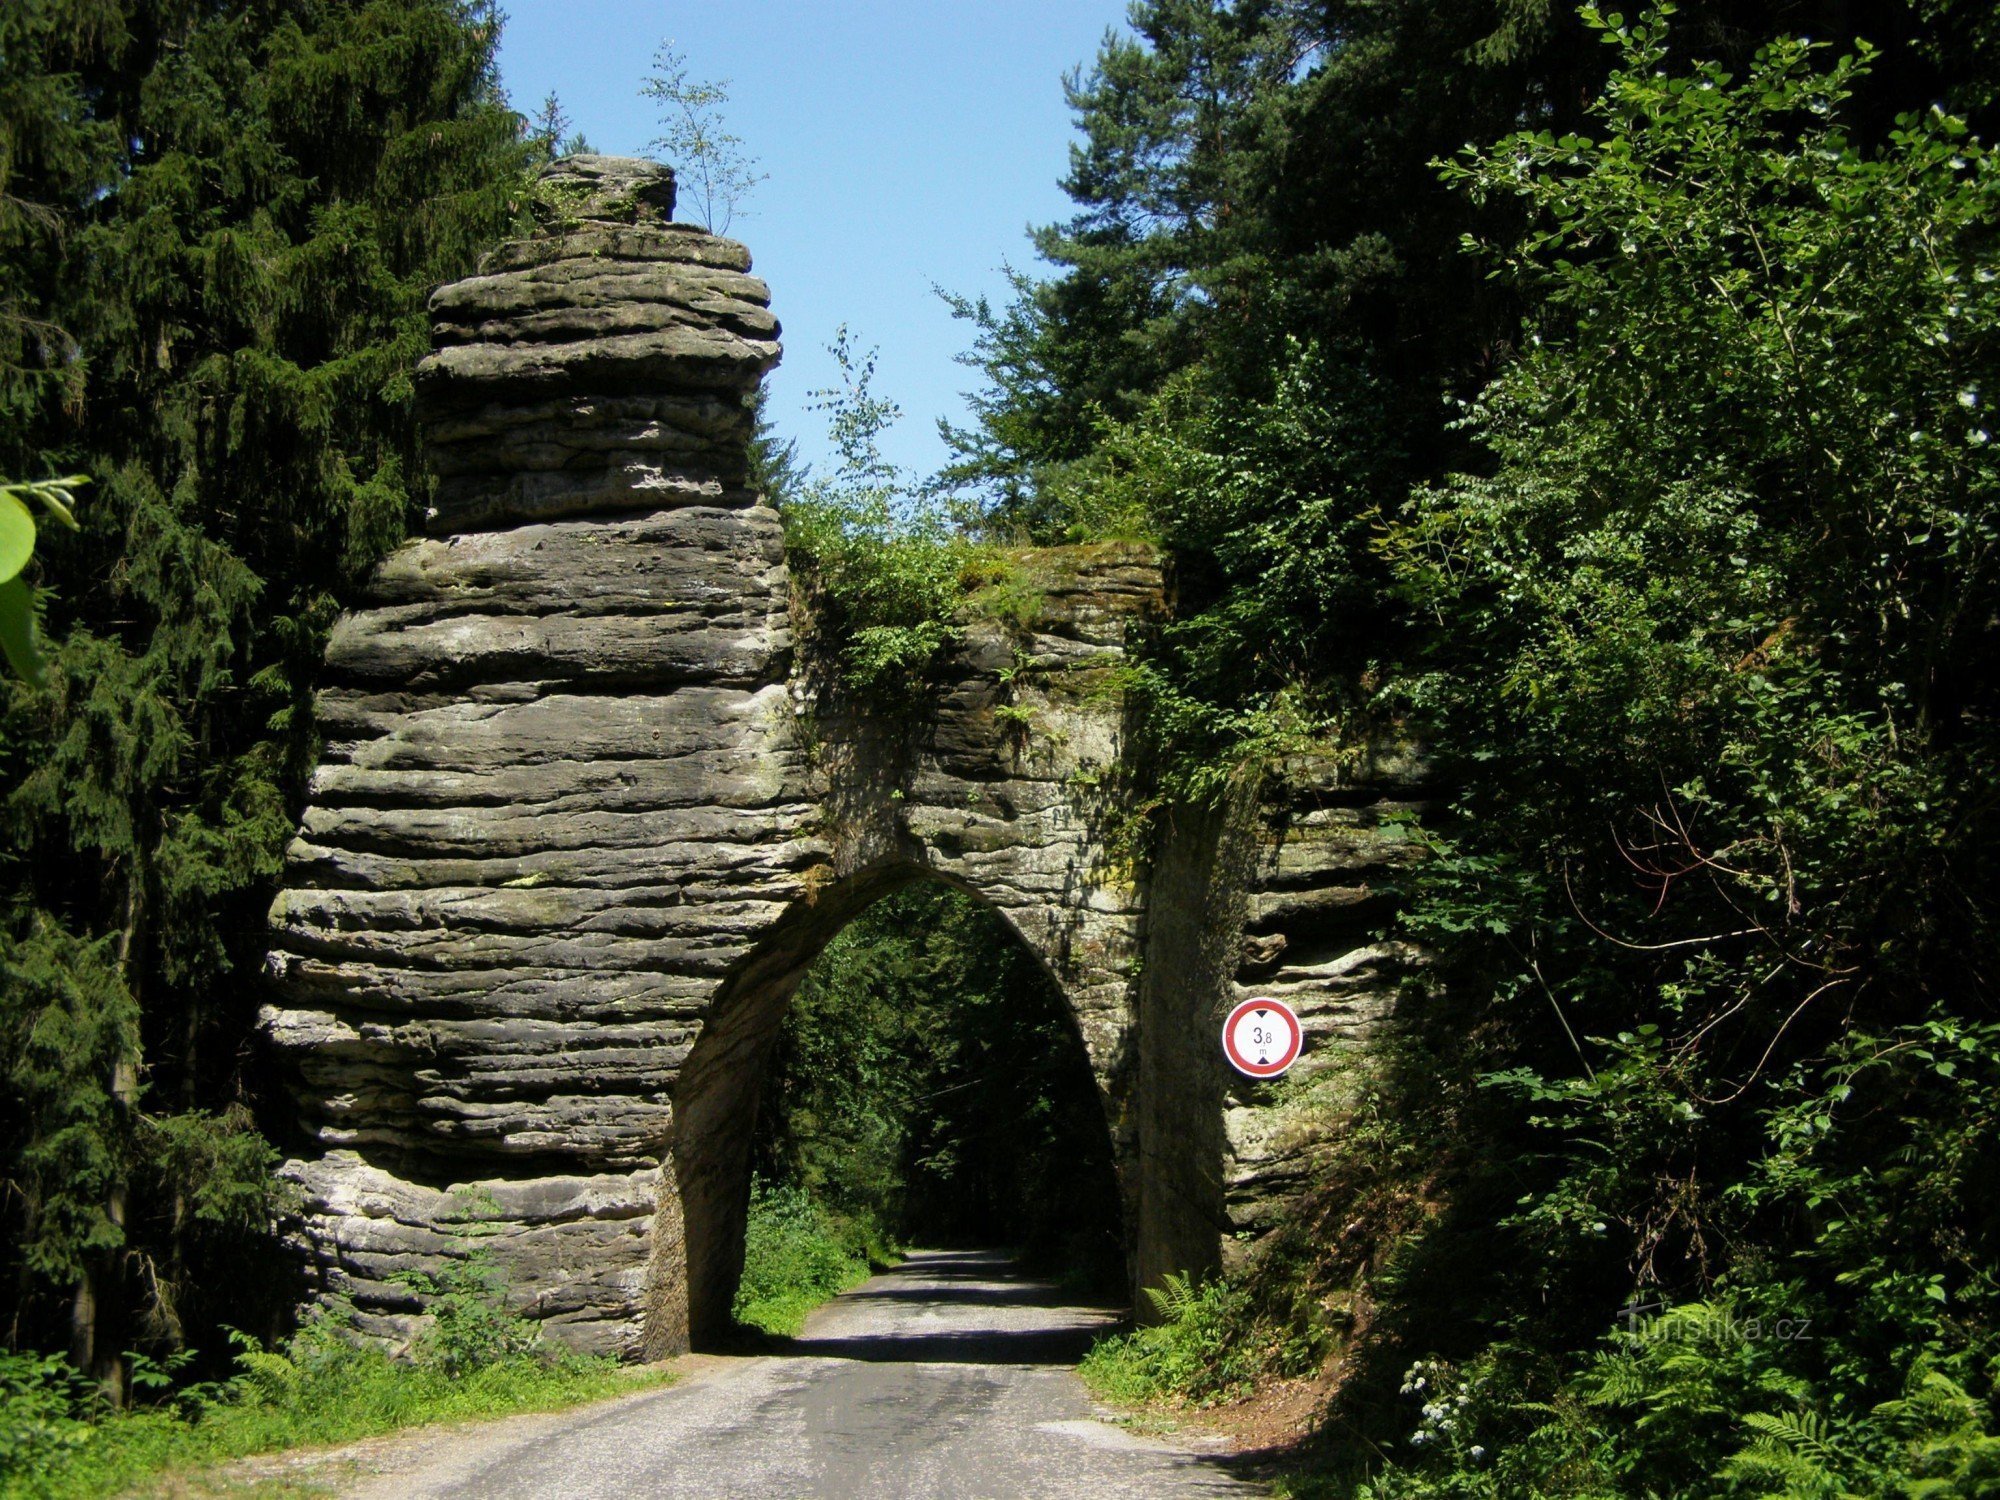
x: 945, y: 1379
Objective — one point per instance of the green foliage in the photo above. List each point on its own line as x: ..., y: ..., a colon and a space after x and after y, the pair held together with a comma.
x: 1690, y: 1402
x: 1209, y: 1342
x: 68, y: 1020
x: 776, y: 470
x: 929, y: 1081
x: 1707, y: 679
x: 550, y: 135
x: 797, y: 1254
x: 218, y: 228
x: 1307, y: 1287
x: 1254, y: 316
x: 712, y: 171
x: 470, y: 1327
x: 1695, y: 576
x: 17, y: 546
x: 1256, y: 332
x: 1194, y: 1353
x: 39, y: 1429
x: 928, y: 1087
x: 57, y: 1439
x: 1263, y: 491
x: 1721, y: 624
x: 884, y: 564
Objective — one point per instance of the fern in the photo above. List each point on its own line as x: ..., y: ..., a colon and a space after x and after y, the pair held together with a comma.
x: 1175, y: 1298
x: 1794, y: 1451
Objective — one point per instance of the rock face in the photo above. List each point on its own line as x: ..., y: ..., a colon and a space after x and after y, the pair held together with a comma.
x: 586, y: 814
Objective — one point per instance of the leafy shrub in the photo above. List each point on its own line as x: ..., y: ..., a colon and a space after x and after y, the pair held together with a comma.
x: 1198, y: 1352
x: 470, y: 1327
x: 1715, y: 898
x: 797, y: 1254
x: 58, y: 1441
x: 1682, y: 1404
x: 40, y: 1397
x: 887, y: 568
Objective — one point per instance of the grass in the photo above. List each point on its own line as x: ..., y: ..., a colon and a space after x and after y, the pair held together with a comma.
x: 57, y: 1443
x: 797, y: 1255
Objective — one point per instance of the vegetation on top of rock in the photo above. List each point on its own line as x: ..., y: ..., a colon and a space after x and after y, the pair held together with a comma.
x: 694, y: 136
x: 884, y: 565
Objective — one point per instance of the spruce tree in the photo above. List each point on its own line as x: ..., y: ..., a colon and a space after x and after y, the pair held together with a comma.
x: 222, y: 222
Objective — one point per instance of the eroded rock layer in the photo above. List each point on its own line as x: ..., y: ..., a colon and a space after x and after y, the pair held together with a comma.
x: 1330, y: 844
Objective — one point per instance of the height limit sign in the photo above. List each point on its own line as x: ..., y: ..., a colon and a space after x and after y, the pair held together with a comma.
x: 1262, y: 1038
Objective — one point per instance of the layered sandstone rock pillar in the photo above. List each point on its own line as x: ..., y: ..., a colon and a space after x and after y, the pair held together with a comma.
x: 558, y: 785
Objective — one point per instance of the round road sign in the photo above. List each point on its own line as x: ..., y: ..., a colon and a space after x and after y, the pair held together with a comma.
x: 1261, y: 1038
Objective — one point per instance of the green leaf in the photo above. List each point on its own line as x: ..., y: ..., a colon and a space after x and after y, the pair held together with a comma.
x: 17, y: 537
x: 17, y: 632
x: 56, y: 498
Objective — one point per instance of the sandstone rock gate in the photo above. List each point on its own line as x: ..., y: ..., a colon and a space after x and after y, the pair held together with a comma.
x: 587, y: 810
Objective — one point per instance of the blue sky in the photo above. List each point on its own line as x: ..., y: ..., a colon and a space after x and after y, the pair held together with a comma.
x: 908, y: 142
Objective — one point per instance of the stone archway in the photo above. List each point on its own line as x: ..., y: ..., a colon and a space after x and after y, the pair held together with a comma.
x: 584, y: 802
x: 698, y: 1251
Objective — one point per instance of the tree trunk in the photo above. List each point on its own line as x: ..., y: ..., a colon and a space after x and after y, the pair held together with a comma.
x: 83, y: 1322
x: 95, y: 1348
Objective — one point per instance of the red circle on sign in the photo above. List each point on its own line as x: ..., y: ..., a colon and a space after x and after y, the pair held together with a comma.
x: 1245, y: 1029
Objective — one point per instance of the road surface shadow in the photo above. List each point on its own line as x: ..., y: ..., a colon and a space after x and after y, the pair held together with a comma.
x: 1026, y: 1294
x: 962, y: 1265
x: 969, y: 1288
x: 1026, y: 1346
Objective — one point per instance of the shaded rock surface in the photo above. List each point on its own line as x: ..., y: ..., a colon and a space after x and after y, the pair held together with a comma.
x: 1329, y: 845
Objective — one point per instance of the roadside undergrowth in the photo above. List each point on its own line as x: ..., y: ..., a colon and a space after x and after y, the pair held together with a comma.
x: 1300, y: 1308
x: 59, y: 1442
x: 798, y: 1254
